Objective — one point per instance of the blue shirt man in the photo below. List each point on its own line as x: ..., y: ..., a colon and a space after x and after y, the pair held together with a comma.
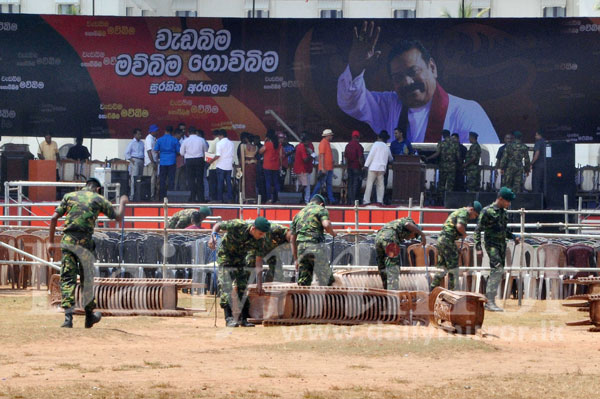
x: 168, y: 148
x: 400, y: 146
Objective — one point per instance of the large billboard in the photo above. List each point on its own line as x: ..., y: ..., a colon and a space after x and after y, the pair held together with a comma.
x: 104, y: 76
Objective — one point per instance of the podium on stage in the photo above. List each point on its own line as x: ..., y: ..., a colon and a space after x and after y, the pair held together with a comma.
x: 409, y: 178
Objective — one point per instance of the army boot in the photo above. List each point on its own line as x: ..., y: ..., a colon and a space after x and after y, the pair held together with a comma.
x: 492, y: 307
x: 229, y: 319
x: 491, y: 303
x: 68, y: 318
x: 92, y: 318
x: 245, y: 315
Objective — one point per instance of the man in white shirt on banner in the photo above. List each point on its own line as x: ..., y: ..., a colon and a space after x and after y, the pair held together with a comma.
x: 224, y: 162
x: 418, y: 105
x: 135, y: 155
x: 192, y: 150
x: 377, y: 162
x: 151, y: 158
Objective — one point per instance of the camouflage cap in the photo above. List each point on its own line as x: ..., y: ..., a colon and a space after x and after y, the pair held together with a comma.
x: 506, y: 193
x: 477, y: 206
x: 320, y: 198
x: 93, y: 180
x: 262, y: 224
x: 205, y: 211
x: 517, y: 134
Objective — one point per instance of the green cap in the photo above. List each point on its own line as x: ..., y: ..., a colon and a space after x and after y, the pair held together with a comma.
x: 262, y: 224
x: 477, y: 206
x: 320, y: 197
x: 205, y: 211
x: 517, y: 134
x: 506, y: 193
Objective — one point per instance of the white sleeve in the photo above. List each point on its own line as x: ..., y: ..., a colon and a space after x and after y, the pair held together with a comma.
x: 468, y: 116
x: 128, y: 150
x: 219, y: 146
x: 355, y: 100
x: 182, y: 149
x: 370, y: 156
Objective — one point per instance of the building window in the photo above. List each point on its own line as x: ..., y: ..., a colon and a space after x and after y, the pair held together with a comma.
x: 331, y: 14
x: 186, y: 13
x: 68, y: 9
x: 258, y: 13
x: 146, y: 13
x: 129, y: 11
x: 405, y: 14
x: 552, y: 12
x: 10, y: 9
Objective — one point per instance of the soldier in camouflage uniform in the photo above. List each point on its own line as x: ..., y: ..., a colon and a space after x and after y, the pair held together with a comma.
x: 184, y: 218
x: 81, y: 209
x: 387, y: 248
x: 471, y: 165
x: 448, y: 151
x: 275, y: 245
x: 308, y: 249
x: 511, y: 164
x: 454, y: 228
x: 240, y: 240
x: 492, y: 222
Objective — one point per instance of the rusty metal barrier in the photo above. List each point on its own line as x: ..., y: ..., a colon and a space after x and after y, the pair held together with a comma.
x: 371, y: 279
x: 456, y: 311
x: 131, y: 297
x: 591, y: 304
x: 290, y: 304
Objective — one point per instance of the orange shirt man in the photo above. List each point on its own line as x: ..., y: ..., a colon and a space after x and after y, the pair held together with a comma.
x: 325, y: 166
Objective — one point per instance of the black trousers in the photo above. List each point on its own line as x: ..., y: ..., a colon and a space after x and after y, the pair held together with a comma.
x: 537, y: 179
x: 354, y: 185
x: 212, y: 184
x: 167, y: 179
x: 194, y: 169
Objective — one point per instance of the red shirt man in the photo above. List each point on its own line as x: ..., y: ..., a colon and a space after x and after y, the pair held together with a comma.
x: 355, y: 153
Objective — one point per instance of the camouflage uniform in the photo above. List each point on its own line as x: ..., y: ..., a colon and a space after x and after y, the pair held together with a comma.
x: 236, y: 245
x: 449, y: 155
x: 307, y: 226
x: 181, y: 219
x: 394, y: 232
x: 275, y: 244
x: 82, y: 209
x: 512, y: 165
x: 472, y: 171
x: 447, y: 251
x: 492, y: 222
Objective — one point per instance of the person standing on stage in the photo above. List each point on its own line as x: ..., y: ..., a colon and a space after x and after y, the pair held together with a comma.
x: 538, y: 163
x: 471, y: 165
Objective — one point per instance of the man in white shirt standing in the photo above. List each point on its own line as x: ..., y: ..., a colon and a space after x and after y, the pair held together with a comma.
x: 192, y: 150
x: 135, y: 155
x: 224, y: 163
x: 151, y: 158
x: 418, y: 105
x: 377, y: 162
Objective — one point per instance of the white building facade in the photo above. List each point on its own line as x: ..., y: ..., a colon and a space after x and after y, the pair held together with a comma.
x: 308, y: 8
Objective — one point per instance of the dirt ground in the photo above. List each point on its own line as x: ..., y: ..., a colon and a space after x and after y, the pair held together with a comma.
x: 525, y: 352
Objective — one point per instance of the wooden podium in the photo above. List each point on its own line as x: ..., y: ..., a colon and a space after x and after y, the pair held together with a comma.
x: 409, y: 178
x: 40, y: 170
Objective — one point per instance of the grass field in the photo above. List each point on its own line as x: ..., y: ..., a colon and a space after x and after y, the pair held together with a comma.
x: 525, y: 352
